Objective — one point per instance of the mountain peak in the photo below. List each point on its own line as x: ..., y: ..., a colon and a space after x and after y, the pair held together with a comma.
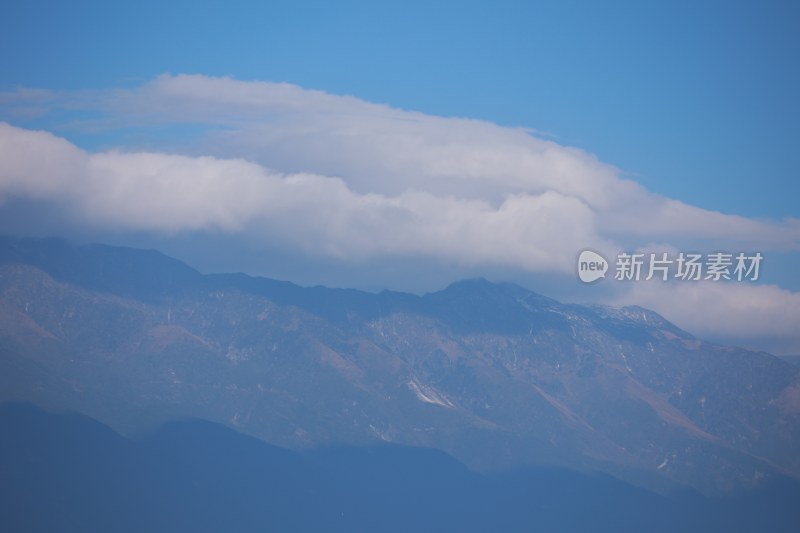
x: 484, y: 288
x: 144, y: 274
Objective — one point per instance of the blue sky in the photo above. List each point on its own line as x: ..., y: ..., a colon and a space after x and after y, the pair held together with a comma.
x: 410, y: 144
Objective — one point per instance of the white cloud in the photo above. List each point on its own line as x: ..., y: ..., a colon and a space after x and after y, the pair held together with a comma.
x: 174, y: 192
x: 322, y: 215
x: 762, y: 316
x: 378, y: 149
x: 37, y: 164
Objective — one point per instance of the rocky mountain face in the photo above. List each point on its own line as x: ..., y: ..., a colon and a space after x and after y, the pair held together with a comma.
x: 493, y: 374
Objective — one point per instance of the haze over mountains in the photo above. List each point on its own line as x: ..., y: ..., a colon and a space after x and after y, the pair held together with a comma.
x: 492, y: 374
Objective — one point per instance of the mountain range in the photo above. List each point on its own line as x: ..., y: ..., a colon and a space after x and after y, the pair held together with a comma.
x: 492, y: 374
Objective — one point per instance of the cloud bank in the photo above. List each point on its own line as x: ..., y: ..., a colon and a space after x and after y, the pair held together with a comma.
x: 757, y: 316
x: 337, y: 178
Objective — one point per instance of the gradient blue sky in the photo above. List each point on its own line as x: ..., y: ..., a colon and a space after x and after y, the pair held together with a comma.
x: 694, y: 102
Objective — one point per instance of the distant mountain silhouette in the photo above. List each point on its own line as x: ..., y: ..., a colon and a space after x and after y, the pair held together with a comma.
x: 68, y: 473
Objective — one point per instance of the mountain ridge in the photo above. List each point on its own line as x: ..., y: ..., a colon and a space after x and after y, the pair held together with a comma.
x: 475, y: 367
x: 89, y: 266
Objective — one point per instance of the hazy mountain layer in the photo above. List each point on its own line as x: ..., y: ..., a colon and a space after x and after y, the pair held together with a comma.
x: 69, y: 473
x: 493, y: 374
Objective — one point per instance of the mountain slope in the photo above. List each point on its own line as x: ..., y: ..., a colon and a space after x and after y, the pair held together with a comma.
x: 64, y: 472
x: 493, y: 374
